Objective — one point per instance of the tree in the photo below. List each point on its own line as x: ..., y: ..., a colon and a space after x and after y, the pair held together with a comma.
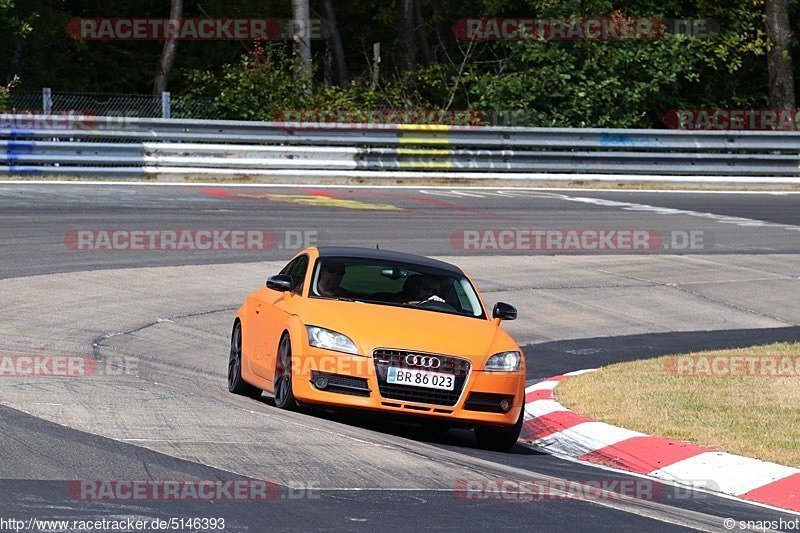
x: 422, y: 35
x: 167, y: 58
x: 302, y: 42
x: 335, y: 39
x: 405, y: 27
x: 16, y: 30
x: 779, y: 59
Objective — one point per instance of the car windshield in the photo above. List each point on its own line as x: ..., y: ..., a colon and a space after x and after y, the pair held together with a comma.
x: 397, y: 284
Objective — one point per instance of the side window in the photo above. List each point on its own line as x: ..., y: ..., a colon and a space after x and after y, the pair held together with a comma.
x: 297, y: 270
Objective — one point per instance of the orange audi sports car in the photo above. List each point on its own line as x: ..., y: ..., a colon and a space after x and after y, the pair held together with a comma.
x: 383, y: 331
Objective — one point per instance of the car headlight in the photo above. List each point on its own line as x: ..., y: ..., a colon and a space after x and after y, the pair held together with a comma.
x: 330, y: 340
x: 504, y: 362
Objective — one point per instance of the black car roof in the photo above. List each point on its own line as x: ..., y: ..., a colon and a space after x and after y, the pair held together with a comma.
x: 386, y: 255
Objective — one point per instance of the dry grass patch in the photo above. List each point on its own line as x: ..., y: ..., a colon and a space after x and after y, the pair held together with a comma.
x: 755, y: 413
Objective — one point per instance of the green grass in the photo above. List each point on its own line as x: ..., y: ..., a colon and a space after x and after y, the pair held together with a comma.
x: 753, y: 415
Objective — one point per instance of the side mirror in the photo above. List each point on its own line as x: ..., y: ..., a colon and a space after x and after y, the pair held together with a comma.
x: 504, y: 311
x: 280, y: 282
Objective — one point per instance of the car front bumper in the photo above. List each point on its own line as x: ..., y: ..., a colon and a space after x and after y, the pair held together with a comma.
x: 354, y: 381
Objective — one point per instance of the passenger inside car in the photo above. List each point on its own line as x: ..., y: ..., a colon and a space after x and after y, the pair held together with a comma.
x: 330, y: 278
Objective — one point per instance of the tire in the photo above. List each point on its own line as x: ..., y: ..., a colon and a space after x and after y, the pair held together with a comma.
x: 499, y: 439
x: 236, y: 384
x: 284, y: 395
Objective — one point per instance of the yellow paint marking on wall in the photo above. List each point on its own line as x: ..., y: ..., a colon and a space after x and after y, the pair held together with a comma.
x: 323, y: 201
x: 424, y: 127
x: 423, y: 151
x: 435, y: 134
x: 425, y: 164
x: 417, y: 140
x: 428, y: 159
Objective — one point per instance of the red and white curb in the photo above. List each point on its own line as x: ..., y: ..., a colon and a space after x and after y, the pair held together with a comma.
x: 555, y: 429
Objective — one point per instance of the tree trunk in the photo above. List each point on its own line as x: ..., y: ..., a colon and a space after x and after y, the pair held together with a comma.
x: 16, y: 57
x: 375, y: 68
x: 168, y: 52
x: 302, y: 42
x: 779, y: 60
x: 405, y: 27
x: 440, y: 49
x: 422, y: 34
x: 335, y: 40
x: 327, y: 66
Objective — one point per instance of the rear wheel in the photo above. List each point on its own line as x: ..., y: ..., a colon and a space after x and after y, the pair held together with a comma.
x: 236, y: 384
x: 500, y: 439
x: 284, y: 395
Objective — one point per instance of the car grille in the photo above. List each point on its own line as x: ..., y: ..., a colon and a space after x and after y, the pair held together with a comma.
x: 384, y: 358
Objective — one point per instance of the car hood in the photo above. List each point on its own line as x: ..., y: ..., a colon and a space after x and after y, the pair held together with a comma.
x: 373, y: 326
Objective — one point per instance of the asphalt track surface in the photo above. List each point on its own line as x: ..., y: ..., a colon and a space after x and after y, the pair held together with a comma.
x: 41, y: 456
x: 36, y: 219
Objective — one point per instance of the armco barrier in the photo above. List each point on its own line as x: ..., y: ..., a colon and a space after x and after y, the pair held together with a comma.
x: 137, y: 147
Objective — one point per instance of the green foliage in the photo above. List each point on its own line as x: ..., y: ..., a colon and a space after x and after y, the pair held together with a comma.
x: 262, y: 86
x: 631, y: 83
x: 586, y: 83
x: 255, y: 88
x: 537, y: 83
x: 11, y: 23
x: 5, y: 99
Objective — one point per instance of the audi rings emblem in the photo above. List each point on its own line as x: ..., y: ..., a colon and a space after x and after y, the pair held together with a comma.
x: 423, y: 360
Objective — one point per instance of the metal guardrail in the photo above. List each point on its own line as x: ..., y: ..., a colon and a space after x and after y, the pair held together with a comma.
x: 137, y: 147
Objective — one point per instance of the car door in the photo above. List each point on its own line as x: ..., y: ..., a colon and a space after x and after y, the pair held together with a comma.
x: 271, y: 312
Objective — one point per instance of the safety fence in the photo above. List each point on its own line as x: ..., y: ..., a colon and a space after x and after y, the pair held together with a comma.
x: 74, y: 145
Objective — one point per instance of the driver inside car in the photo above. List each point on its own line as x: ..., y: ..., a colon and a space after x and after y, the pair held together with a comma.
x: 419, y: 288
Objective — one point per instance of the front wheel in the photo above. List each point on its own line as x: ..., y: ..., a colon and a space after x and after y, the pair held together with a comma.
x: 500, y: 439
x: 236, y: 384
x: 284, y: 395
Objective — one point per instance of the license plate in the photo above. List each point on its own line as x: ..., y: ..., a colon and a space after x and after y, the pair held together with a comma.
x: 420, y: 378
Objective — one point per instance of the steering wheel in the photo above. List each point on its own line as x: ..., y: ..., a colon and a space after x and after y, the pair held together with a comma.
x: 436, y: 304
